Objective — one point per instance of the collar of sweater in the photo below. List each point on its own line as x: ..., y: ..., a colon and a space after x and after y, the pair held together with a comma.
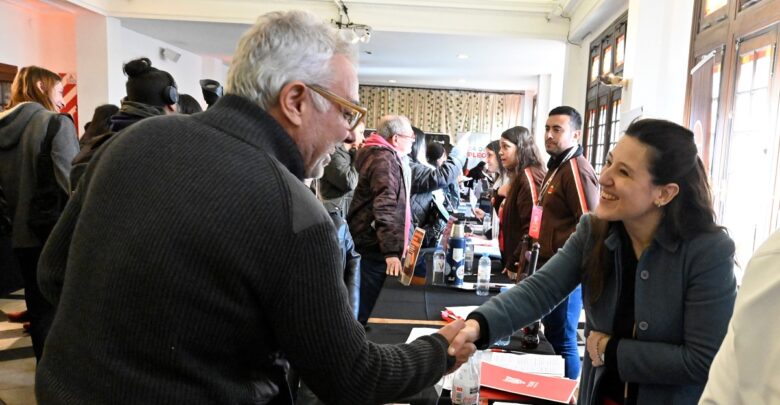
x: 241, y: 118
x: 376, y: 140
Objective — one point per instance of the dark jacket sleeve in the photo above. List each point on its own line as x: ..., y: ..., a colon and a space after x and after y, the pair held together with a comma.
x: 386, y: 187
x: 341, y: 173
x: 426, y: 179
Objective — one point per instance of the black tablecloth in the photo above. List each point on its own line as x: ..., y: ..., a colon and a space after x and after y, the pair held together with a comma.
x: 397, y: 302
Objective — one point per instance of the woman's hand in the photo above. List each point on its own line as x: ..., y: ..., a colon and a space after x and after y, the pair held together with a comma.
x: 596, y: 344
x: 512, y: 275
x: 479, y: 213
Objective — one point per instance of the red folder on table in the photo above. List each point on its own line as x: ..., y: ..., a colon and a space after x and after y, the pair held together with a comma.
x: 527, y: 384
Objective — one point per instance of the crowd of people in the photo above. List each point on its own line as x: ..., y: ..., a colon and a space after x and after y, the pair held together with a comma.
x: 235, y: 255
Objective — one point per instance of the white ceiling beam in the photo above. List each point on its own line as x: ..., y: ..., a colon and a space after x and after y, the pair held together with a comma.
x: 486, y: 17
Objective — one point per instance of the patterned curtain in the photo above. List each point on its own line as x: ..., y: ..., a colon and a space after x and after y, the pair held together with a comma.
x: 444, y: 111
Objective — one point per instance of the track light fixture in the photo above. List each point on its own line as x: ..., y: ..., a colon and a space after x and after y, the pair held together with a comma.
x: 353, y: 32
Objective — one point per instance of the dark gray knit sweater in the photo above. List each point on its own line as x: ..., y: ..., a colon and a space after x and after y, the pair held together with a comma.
x: 190, y: 258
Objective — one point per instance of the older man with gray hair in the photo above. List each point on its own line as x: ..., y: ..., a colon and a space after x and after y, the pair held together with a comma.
x: 193, y: 265
x: 379, y: 216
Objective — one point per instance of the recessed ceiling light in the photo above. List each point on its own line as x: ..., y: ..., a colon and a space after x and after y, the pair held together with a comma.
x: 462, y: 56
x: 392, y: 80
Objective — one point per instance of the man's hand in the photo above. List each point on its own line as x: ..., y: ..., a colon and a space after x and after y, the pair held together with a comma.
x: 464, y: 340
x: 393, y: 266
x: 478, y: 213
x: 512, y: 275
x: 596, y: 344
x: 464, y: 350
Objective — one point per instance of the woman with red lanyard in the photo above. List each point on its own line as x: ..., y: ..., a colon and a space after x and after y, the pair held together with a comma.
x: 523, y: 162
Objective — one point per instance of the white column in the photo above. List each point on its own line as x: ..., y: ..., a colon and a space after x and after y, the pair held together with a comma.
x: 98, y: 40
x: 657, y: 47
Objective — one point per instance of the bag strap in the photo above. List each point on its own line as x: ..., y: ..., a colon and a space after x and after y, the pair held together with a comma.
x: 575, y: 171
x: 5, y: 217
x: 45, y: 166
x: 530, y: 177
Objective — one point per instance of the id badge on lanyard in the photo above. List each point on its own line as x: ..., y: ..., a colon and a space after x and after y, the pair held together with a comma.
x: 536, y: 211
x: 536, y: 222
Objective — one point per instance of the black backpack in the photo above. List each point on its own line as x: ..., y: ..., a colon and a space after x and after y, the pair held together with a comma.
x: 48, y: 198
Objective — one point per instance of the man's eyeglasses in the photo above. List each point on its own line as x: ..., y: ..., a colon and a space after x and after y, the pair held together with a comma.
x: 353, y: 113
x: 407, y: 136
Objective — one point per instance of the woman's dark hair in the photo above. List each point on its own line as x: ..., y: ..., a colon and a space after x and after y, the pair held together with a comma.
x: 149, y: 85
x: 101, y: 122
x: 673, y: 159
x: 495, y: 147
x: 528, y: 154
x: 419, y: 142
x: 434, y: 152
x: 188, y: 105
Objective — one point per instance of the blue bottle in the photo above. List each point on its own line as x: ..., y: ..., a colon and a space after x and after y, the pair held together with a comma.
x: 456, y: 255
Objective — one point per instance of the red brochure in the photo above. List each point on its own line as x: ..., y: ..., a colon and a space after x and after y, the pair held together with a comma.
x: 527, y: 384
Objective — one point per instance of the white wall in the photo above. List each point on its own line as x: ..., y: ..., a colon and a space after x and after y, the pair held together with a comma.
x: 37, y: 37
x: 657, y: 57
x: 187, y: 71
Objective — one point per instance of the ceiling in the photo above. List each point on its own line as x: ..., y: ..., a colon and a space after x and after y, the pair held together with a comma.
x: 416, y: 43
x: 499, y: 63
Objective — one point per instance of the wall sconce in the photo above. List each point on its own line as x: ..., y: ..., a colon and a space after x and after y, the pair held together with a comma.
x: 353, y: 32
x: 169, y: 54
x: 611, y: 80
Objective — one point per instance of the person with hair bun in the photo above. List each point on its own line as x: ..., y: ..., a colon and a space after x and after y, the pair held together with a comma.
x: 657, y: 276
x: 150, y: 93
x: 36, y: 97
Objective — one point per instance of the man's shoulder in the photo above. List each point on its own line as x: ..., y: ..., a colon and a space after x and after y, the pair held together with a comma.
x: 304, y: 209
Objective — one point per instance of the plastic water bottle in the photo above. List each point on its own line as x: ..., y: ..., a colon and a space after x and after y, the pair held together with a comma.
x: 487, y: 225
x: 468, y: 265
x: 483, y: 275
x: 465, y: 384
x: 438, y: 266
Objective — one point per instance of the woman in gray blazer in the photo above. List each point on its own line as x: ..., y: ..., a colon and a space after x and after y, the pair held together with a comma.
x: 656, y: 271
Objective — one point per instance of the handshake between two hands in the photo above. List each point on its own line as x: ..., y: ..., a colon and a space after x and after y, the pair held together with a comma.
x: 461, y: 335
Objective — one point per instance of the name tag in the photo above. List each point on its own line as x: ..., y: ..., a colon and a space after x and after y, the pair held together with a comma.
x: 536, y: 222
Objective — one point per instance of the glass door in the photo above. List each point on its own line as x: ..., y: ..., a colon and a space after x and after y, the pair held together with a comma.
x: 745, y: 196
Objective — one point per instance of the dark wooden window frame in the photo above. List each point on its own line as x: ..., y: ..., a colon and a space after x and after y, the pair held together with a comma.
x: 598, y: 135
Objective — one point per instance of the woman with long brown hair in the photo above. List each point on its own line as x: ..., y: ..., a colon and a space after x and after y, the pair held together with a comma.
x: 36, y: 97
x: 523, y: 162
x: 656, y: 270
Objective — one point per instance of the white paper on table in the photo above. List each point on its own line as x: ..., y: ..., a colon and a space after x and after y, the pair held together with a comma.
x: 528, y: 363
x: 461, y: 312
x: 479, y: 250
x: 417, y: 332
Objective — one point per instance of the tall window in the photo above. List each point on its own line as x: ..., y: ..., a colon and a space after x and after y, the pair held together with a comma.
x: 602, y: 120
x: 733, y: 107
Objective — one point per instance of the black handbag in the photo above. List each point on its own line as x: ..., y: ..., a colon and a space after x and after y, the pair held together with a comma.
x: 48, y: 198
